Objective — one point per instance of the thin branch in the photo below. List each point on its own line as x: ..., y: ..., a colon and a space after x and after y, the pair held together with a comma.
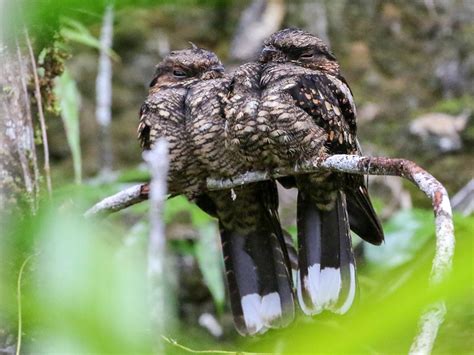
x: 375, y: 166
x: 445, y: 242
x: 338, y: 163
x: 39, y: 103
x: 428, y: 326
x: 119, y: 201
x: 157, y: 160
x: 463, y: 200
x: 103, y: 88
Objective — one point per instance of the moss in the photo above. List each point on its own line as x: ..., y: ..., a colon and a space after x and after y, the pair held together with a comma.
x: 456, y: 105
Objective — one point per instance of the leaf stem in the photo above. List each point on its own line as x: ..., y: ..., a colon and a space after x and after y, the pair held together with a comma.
x: 18, y: 295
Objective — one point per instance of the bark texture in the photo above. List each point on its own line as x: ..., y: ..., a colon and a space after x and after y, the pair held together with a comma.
x: 19, y: 185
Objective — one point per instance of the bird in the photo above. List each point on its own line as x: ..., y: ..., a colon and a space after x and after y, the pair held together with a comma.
x: 162, y: 114
x: 186, y: 105
x: 307, y: 109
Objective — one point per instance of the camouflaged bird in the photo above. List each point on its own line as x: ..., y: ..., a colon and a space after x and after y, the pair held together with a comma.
x: 305, y: 108
x: 163, y: 115
x: 186, y: 106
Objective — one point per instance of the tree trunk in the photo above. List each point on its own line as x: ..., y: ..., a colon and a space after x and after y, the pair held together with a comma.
x: 19, y: 177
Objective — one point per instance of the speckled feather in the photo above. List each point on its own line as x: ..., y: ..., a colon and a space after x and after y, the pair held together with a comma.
x: 308, y: 109
x: 190, y: 113
x: 252, y: 240
x: 163, y: 114
x: 243, y: 129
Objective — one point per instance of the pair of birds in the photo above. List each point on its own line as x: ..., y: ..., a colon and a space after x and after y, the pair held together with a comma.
x: 289, y: 106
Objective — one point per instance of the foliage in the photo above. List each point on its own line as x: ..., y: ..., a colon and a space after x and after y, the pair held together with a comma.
x: 84, y: 288
x: 44, y: 16
x: 405, y: 234
x: 68, y: 97
x: 75, y: 31
x: 206, y: 249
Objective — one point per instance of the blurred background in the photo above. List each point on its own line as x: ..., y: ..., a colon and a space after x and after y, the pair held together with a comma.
x: 410, y: 65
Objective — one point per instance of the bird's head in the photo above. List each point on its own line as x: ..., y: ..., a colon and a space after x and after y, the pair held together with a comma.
x: 301, y: 48
x: 185, y: 66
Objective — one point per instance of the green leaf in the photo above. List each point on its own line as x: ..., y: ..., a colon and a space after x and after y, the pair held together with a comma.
x: 69, y: 101
x: 405, y: 234
x: 135, y: 174
x: 178, y: 204
x: 209, y: 260
x: 75, y: 31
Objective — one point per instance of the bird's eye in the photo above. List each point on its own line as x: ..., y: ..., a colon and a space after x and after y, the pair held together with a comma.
x: 178, y: 73
x: 307, y: 55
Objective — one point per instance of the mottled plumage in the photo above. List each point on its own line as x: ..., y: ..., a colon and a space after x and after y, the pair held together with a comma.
x: 310, y: 107
x: 163, y: 114
x: 255, y: 255
x: 190, y: 113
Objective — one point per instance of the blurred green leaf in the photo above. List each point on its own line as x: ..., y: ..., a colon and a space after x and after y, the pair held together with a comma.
x: 405, y: 234
x: 135, y: 174
x: 179, y: 204
x: 83, y: 292
x: 206, y: 248
x: 386, y: 324
x: 69, y: 101
x: 209, y: 258
x: 75, y: 31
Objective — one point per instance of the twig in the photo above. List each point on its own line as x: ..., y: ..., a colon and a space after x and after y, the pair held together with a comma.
x: 119, y: 201
x: 339, y: 163
x: 189, y: 350
x: 39, y: 103
x: 428, y: 326
x: 18, y: 295
x: 432, y: 318
x: 374, y: 166
x: 445, y: 242
x: 463, y: 201
x: 103, y: 88
x: 157, y: 160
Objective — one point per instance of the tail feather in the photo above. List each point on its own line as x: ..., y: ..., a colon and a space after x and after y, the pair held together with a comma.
x: 363, y: 218
x: 259, y: 281
x: 326, y: 279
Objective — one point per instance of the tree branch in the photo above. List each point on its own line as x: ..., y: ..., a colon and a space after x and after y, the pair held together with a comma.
x: 445, y: 242
x: 103, y: 88
x: 119, y: 201
x: 157, y: 160
x: 374, y: 166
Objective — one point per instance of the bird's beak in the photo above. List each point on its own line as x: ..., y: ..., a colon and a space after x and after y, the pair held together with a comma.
x: 218, y: 69
x: 267, y: 54
x: 214, y: 72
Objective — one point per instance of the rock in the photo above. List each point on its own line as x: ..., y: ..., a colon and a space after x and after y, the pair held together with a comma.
x: 440, y: 131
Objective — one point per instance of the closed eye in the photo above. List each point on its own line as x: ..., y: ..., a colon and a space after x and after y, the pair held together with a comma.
x: 178, y: 73
x: 307, y: 55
